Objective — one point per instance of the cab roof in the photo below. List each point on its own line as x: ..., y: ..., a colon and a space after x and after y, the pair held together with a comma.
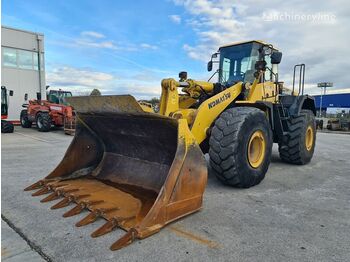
x: 246, y: 42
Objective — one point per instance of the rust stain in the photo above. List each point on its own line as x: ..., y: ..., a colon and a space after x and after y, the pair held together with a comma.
x: 4, y: 252
x: 193, y: 237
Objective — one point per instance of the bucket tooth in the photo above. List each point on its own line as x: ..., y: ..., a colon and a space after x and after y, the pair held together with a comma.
x: 74, y: 211
x: 41, y: 191
x: 90, y: 218
x: 106, y: 228
x: 125, y: 240
x: 63, y: 203
x: 51, y: 197
x: 36, y: 185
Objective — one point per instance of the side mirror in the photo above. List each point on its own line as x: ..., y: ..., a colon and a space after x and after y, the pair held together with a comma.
x: 11, y: 93
x: 210, y: 66
x: 38, y: 96
x: 276, y: 57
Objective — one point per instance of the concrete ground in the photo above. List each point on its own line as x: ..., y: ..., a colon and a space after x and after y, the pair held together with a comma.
x: 298, y: 213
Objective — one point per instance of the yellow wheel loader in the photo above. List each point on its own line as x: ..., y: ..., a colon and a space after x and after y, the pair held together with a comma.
x: 141, y: 170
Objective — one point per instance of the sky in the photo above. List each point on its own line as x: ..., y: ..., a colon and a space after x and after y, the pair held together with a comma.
x: 127, y: 47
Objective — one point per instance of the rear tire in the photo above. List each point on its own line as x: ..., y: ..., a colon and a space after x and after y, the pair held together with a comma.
x: 25, y: 123
x: 6, y: 127
x: 43, y: 122
x: 296, y: 147
x: 231, y: 146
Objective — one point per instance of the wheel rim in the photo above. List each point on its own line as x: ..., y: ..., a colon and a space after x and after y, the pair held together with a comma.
x: 309, y: 138
x: 22, y: 121
x: 256, y: 149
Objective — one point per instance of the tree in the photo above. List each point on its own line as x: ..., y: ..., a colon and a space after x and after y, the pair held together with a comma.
x: 95, y: 92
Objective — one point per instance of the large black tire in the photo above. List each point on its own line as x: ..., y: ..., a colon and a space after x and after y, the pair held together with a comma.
x: 25, y: 123
x: 6, y: 127
x: 43, y: 122
x: 229, y: 142
x: 294, y: 148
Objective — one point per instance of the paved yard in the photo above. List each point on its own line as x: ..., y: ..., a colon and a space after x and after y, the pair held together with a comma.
x: 298, y: 213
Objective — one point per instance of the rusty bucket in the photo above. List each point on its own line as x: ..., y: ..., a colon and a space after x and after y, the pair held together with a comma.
x: 137, y: 170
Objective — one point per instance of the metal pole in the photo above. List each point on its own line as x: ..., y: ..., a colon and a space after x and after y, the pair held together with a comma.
x: 39, y: 64
x: 320, y: 115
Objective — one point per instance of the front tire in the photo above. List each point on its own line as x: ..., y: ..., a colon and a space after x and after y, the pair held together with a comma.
x: 241, y: 146
x: 25, y: 123
x: 43, y: 122
x: 297, y: 147
x: 6, y: 127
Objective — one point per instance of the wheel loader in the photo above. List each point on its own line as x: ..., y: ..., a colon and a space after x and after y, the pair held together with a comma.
x: 141, y: 170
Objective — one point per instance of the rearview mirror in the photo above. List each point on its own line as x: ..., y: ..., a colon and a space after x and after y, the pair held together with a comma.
x: 210, y: 66
x: 11, y: 93
x: 276, y: 57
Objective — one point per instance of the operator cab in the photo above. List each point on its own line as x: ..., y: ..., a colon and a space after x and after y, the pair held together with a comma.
x: 238, y: 62
x: 59, y: 96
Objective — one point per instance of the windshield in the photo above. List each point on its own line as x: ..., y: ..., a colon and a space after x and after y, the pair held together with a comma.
x: 59, y: 97
x: 65, y: 94
x: 237, y: 63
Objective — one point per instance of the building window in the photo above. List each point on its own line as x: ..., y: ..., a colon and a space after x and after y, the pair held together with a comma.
x: 22, y: 59
x: 9, y: 57
x: 35, y: 61
x: 25, y: 59
x: 42, y: 62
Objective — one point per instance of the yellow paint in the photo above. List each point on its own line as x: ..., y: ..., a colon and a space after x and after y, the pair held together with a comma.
x: 185, y: 133
x: 198, y: 239
x: 188, y: 114
x: 185, y: 101
x: 147, y: 107
x: 169, y: 100
x: 309, y: 138
x: 256, y: 149
x: 196, y: 88
x: 210, y: 109
x: 262, y: 92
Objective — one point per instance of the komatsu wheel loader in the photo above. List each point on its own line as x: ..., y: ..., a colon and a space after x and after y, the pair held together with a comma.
x: 141, y: 170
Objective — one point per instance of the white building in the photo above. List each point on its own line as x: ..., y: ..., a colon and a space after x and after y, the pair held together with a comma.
x: 22, y: 67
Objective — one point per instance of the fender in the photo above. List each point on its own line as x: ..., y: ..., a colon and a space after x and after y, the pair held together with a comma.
x: 302, y: 102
